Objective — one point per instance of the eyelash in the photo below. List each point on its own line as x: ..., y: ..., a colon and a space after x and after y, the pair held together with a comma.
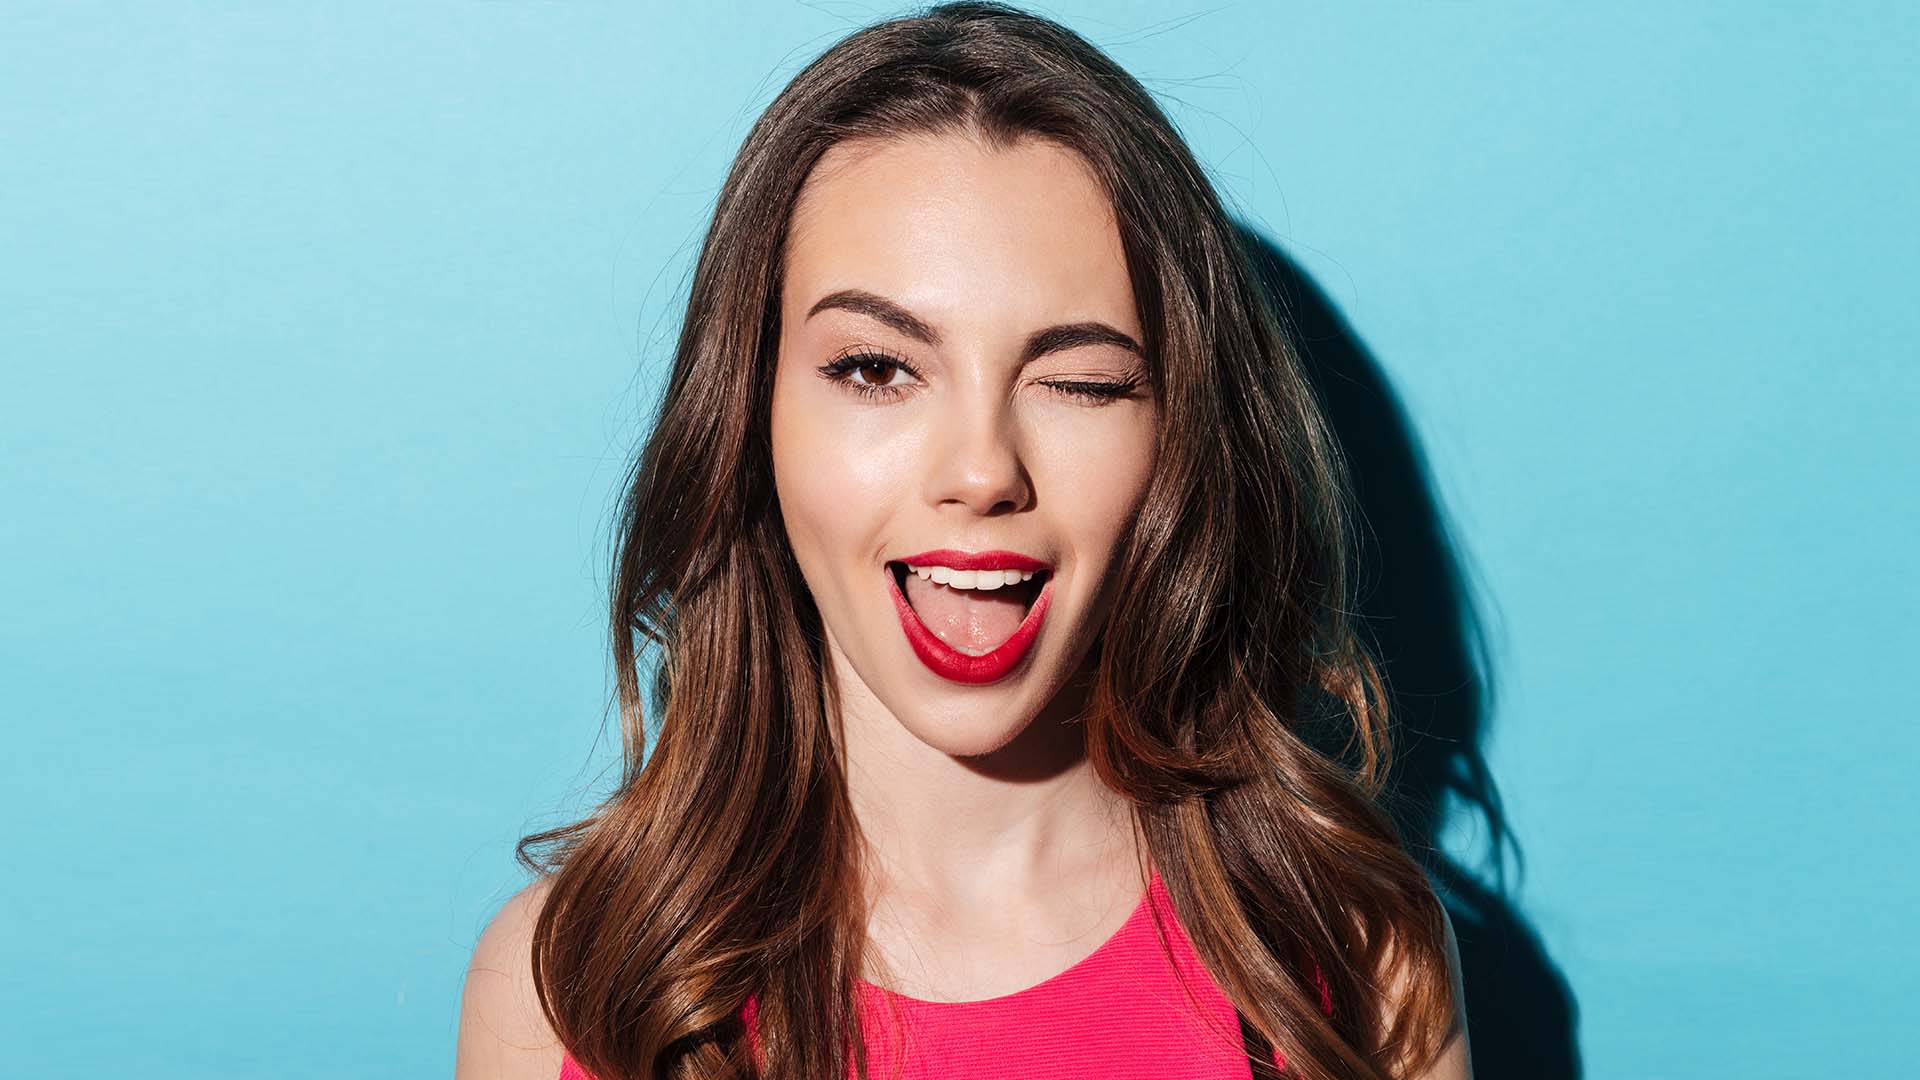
x: 841, y: 370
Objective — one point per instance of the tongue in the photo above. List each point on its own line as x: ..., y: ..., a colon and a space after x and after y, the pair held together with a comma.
x: 971, y: 621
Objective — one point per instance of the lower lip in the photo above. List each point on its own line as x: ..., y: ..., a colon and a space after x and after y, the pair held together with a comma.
x: 950, y: 663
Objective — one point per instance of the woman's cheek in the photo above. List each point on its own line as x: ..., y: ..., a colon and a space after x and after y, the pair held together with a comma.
x: 1097, y: 464
x: 876, y: 453
x: 838, y: 473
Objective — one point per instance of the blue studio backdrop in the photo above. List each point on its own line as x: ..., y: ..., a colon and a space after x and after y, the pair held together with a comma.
x: 326, y: 332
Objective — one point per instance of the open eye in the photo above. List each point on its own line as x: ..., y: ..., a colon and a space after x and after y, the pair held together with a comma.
x: 874, y: 372
x: 869, y: 373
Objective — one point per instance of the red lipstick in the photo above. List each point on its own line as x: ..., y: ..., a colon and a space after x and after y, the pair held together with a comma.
x: 950, y: 663
x: 974, y: 560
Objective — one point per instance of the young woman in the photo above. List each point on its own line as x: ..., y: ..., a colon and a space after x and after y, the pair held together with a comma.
x: 991, y: 548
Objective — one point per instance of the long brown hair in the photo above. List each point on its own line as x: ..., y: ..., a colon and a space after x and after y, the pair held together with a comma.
x: 727, y: 862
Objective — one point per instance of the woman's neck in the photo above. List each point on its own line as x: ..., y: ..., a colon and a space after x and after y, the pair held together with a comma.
x: 944, y: 831
x: 966, y: 856
x: 1019, y: 817
x: 985, y: 875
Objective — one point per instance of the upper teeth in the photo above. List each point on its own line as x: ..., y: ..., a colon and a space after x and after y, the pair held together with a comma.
x: 970, y: 579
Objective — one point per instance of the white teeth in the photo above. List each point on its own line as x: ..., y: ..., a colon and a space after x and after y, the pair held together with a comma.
x: 984, y: 580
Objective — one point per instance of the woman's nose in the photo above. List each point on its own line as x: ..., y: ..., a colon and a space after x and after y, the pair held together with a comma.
x: 976, y: 460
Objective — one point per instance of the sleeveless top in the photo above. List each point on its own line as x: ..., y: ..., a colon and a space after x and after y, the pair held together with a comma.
x: 1133, y: 1008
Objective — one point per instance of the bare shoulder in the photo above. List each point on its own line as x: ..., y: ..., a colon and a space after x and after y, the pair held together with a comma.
x: 504, y: 1035
x: 1455, y: 1061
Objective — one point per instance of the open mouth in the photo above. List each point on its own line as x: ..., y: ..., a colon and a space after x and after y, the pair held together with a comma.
x: 973, y: 628
x: 972, y: 620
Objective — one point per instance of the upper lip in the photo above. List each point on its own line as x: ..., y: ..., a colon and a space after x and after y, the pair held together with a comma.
x: 976, y: 560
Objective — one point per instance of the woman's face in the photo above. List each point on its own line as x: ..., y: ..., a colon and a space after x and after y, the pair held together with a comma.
x: 959, y: 390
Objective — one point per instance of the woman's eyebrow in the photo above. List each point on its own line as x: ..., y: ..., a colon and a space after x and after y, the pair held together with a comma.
x: 1074, y: 335
x: 861, y: 302
x: 1039, y: 343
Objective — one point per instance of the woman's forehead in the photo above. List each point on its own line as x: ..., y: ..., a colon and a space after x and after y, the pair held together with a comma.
x: 953, y: 229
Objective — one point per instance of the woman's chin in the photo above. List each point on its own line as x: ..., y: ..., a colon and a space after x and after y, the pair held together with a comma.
x: 1023, y: 738
x: 965, y: 733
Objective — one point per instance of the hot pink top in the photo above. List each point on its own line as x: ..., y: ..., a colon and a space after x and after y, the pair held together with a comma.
x: 1126, y: 1010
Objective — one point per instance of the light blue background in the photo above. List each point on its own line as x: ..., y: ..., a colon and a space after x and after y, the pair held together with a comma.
x: 326, y: 330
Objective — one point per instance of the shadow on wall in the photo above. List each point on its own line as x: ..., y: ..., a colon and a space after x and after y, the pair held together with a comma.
x: 1419, y: 612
